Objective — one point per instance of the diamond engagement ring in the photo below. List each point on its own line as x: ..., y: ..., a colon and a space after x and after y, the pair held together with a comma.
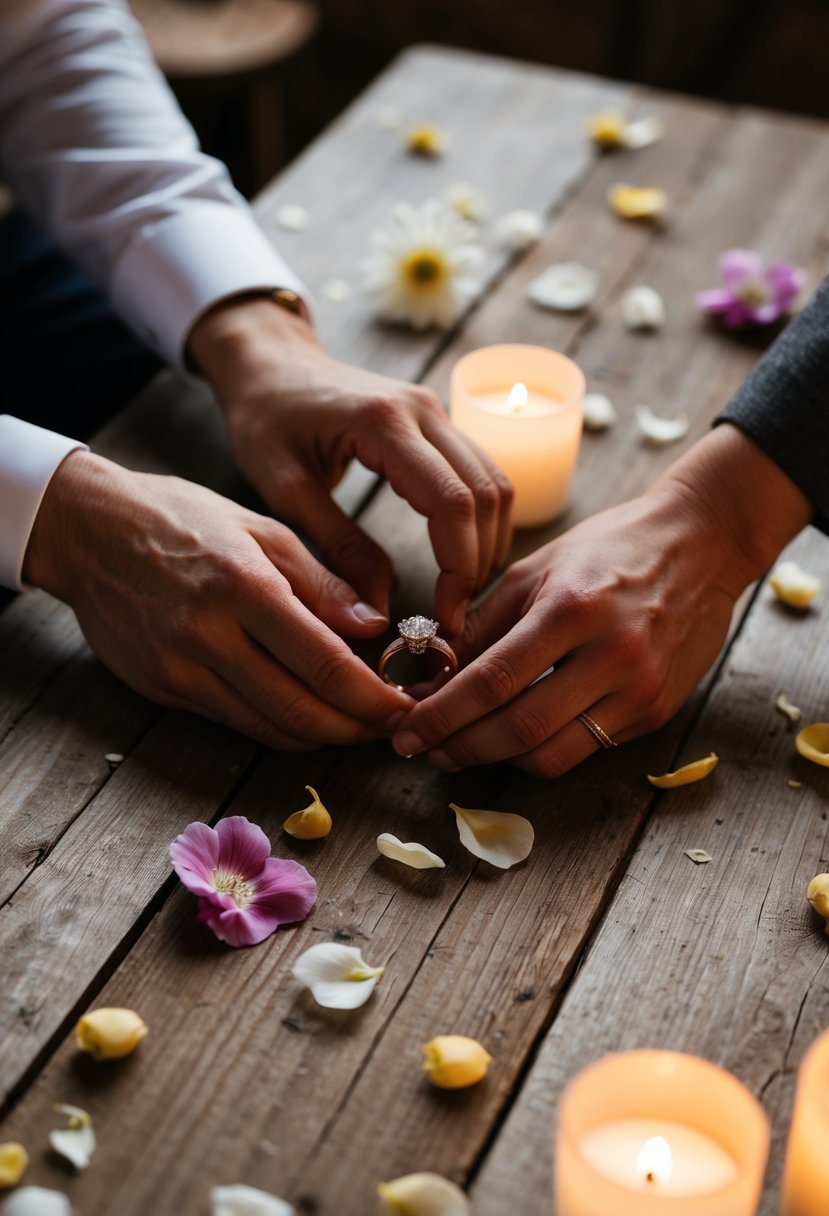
x: 417, y: 635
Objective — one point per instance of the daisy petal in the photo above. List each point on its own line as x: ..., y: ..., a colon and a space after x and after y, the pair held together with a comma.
x: 415, y: 855
x: 36, y: 1201
x: 423, y: 1195
x: 242, y: 1200
x: 659, y: 431
x: 498, y: 837
x: 338, y: 976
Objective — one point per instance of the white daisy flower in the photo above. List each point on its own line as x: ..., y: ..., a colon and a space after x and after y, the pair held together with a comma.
x: 421, y: 266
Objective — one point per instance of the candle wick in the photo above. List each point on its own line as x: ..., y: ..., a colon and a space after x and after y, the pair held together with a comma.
x: 650, y: 1176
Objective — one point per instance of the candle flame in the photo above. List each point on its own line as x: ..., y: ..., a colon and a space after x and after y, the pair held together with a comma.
x: 655, y: 1162
x: 517, y: 397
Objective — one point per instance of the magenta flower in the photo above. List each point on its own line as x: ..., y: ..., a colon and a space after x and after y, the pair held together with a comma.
x: 752, y: 294
x: 244, y: 893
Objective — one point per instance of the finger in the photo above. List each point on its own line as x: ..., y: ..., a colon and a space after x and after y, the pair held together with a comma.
x: 493, y: 617
x: 212, y: 697
x: 574, y: 742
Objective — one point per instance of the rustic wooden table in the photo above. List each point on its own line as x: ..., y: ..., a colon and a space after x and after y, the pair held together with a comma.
x: 608, y: 937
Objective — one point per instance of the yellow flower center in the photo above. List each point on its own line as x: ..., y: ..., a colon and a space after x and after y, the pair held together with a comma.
x: 234, y: 885
x: 753, y: 293
x: 424, y: 268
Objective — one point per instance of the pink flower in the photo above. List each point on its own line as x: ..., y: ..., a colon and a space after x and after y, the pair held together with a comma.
x: 244, y: 893
x: 752, y: 294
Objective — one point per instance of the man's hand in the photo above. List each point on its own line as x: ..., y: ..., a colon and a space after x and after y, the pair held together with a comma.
x: 630, y: 607
x: 297, y: 417
x: 202, y: 605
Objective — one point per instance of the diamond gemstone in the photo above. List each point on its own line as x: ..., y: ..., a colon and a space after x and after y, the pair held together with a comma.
x: 417, y: 632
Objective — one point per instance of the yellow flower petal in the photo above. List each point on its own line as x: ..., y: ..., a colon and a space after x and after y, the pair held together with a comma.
x: 813, y: 743
x: 109, y: 1034
x: 498, y: 837
x: 817, y: 894
x: 454, y: 1061
x: 638, y: 202
x: 423, y: 1195
x: 312, y: 823
x: 76, y: 1142
x: 793, y: 585
x: 784, y: 705
x: 607, y: 128
x: 411, y: 854
x: 695, y: 771
x: 426, y: 139
x: 13, y: 1162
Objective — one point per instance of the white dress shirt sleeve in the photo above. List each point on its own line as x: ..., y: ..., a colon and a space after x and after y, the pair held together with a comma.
x: 94, y: 145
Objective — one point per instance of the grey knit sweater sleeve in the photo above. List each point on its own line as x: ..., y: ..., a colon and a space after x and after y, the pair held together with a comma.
x: 784, y: 404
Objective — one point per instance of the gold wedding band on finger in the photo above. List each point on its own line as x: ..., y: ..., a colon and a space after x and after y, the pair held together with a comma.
x: 417, y: 635
x: 601, y: 736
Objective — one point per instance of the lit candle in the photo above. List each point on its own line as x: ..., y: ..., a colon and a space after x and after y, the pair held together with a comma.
x: 658, y: 1133
x: 806, y: 1179
x: 522, y: 405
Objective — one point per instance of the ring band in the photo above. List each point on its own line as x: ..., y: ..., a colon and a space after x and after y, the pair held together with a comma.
x: 417, y: 635
x: 601, y: 736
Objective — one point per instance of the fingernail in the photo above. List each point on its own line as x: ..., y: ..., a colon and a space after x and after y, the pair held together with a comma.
x: 391, y: 724
x: 368, y: 615
x: 407, y: 743
x: 442, y: 761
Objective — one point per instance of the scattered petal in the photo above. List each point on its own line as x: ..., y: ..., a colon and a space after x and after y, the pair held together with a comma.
x: 114, y: 758
x: 36, y: 1201
x: 784, y: 705
x: 638, y: 202
x: 607, y: 128
x: 244, y: 894
x: 427, y: 139
x: 13, y: 1163
x: 642, y: 132
x: 389, y: 118
x: 454, y: 1061
x: 77, y: 1141
x: 643, y: 308
x: 567, y: 287
x: 291, y: 217
x: 415, y: 855
x: 338, y: 976
x: 242, y: 1200
x: 498, y: 837
x: 817, y: 894
x: 793, y: 585
x: 336, y: 290
x: 598, y: 411
x: 423, y: 1195
x: 311, y: 823
x: 660, y: 431
x: 813, y: 743
x: 752, y: 294
x: 518, y: 230
x: 468, y: 201
x: 695, y: 771
x: 423, y: 267
x: 698, y: 856
x: 794, y: 785
x: 109, y: 1034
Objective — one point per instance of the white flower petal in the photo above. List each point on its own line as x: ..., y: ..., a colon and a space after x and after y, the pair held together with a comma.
x: 567, y: 287
x: 698, y: 856
x: 242, y: 1200
x: 36, y: 1201
x: 291, y: 217
x: 77, y: 1141
x: 598, y: 411
x: 659, y: 431
x: 498, y: 837
x: 793, y: 585
x: 338, y: 976
x: 785, y: 707
x: 643, y: 308
x: 412, y: 854
x: 518, y: 230
x: 468, y: 201
x: 423, y: 1195
x: 642, y: 132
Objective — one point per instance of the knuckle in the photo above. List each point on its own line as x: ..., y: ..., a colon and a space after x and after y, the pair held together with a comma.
x: 332, y: 673
x: 428, y: 400
x: 526, y: 728
x: 383, y: 410
x: 497, y: 681
x: 458, y: 499
x: 300, y: 718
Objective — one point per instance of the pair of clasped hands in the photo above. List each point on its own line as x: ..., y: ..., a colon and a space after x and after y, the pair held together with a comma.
x: 203, y: 605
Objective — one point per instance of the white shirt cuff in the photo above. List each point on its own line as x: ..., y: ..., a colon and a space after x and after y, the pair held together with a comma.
x: 29, y: 456
x: 173, y: 271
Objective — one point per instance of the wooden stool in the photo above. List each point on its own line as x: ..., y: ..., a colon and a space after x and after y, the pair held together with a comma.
x: 210, y: 46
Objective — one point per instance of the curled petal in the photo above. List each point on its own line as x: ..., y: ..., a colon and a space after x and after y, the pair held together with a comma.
x: 14, y: 1161
x: 338, y: 976
x: 311, y: 823
x: 453, y: 1061
x: 423, y: 1195
x: 793, y: 585
x: 813, y: 743
x: 566, y: 287
x: 498, y: 837
x: 518, y: 230
x: 412, y: 854
x: 77, y: 1141
x: 638, y: 202
x: 817, y: 894
x: 36, y: 1201
x: 242, y: 1200
x: 688, y: 774
x: 598, y: 411
x: 660, y: 431
x: 784, y: 705
x: 643, y: 308
x: 698, y: 856
x: 109, y: 1034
